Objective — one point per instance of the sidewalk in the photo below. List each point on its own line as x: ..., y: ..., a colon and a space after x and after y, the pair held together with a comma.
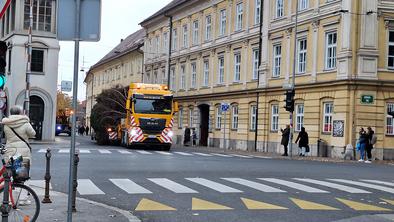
x: 86, y: 210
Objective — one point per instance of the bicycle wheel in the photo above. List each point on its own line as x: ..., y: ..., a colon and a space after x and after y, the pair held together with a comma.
x: 26, y: 206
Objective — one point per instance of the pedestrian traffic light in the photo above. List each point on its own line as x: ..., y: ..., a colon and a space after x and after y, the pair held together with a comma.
x: 3, y: 52
x: 289, y: 100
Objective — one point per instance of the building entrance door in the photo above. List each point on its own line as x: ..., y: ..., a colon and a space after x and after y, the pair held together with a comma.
x: 204, y: 124
x: 37, y: 115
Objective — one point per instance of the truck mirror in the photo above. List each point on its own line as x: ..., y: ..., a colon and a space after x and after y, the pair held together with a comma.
x: 176, y: 108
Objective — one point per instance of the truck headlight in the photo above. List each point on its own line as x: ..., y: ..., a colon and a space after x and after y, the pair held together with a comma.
x: 59, y: 128
x: 170, y: 133
x: 133, y: 132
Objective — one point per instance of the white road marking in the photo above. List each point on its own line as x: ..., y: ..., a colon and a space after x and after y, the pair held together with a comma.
x: 242, y: 156
x: 255, y: 185
x: 164, y: 153
x: 104, y: 151
x: 87, y: 187
x: 143, y: 152
x: 262, y: 157
x: 42, y: 151
x: 64, y: 151
x: 171, y: 185
x: 379, y: 182
x: 368, y: 185
x: 214, y: 185
x: 124, y: 152
x: 84, y: 151
x: 222, y: 155
x: 333, y: 185
x: 294, y: 185
x: 184, y: 154
x: 129, y: 186
x: 202, y: 154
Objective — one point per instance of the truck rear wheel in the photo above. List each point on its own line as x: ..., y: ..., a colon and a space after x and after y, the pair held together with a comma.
x: 166, y: 147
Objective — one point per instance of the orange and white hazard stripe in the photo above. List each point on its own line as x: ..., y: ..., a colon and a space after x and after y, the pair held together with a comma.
x: 171, y: 123
x: 165, y: 137
x: 137, y: 136
x: 132, y: 121
x: 113, y: 135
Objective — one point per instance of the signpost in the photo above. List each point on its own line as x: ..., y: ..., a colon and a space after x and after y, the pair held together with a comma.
x: 66, y: 86
x: 77, y: 20
x: 224, y: 107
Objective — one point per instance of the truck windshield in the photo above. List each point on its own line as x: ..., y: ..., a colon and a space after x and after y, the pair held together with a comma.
x: 152, y: 106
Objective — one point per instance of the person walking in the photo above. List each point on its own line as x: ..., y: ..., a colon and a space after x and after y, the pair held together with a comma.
x: 87, y: 130
x: 362, y: 144
x: 285, y: 138
x: 303, y: 144
x: 371, y: 142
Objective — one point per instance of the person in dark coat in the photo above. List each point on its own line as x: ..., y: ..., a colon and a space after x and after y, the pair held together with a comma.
x: 87, y: 131
x: 303, y: 141
x: 363, y: 143
x: 369, y: 146
x: 285, y: 138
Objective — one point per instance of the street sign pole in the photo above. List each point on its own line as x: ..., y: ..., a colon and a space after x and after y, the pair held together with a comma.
x: 73, y: 119
x: 224, y: 131
x: 28, y: 65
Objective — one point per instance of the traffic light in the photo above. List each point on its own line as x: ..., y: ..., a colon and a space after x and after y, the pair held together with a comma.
x: 289, y: 100
x: 3, y: 52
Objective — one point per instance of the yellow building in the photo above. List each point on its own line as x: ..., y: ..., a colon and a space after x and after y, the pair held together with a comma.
x: 344, y: 67
x: 121, y: 66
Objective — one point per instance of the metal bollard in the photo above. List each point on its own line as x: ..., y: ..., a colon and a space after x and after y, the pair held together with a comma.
x: 5, y: 207
x: 75, y: 182
x: 47, y: 177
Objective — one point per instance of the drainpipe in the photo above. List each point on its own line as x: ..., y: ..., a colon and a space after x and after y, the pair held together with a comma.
x: 258, y: 75
x: 169, y: 52
x: 142, y: 63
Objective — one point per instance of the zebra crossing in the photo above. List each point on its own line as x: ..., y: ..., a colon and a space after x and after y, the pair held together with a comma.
x: 145, y: 152
x: 195, y: 185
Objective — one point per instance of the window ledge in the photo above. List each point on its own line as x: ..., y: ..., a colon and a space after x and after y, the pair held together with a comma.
x: 326, y: 133
x: 234, y: 130
x: 389, y: 135
x: 219, y: 85
x: 37, y: 73
x: 204, y: 87
x: 236, y: 83
x: 273, y: 131
x: 330, y: 70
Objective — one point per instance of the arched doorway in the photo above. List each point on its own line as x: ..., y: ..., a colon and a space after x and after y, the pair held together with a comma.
x: 204, y: 124
x: 37, y: 110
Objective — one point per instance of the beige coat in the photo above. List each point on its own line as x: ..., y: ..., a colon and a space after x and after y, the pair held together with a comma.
x: 15, y: 146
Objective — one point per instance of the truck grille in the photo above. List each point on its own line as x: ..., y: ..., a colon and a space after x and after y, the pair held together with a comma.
x: 152, y: 125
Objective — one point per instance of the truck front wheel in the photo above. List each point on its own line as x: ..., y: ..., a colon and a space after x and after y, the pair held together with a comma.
x: 166, y: 147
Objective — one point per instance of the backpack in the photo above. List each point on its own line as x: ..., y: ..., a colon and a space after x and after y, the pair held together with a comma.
x: 374, y: 139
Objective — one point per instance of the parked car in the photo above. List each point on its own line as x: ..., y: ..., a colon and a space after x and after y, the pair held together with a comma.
x: 63, y: 128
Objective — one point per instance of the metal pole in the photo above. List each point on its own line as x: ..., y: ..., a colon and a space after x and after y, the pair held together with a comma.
x: 258, y: 73
x: 75, y: 94
x: 293, y: 80
x: 169, y: 55
x: 224, y: 130
x: 5, y: 207
x: 28, y: 68
x: 75, y: 181
x: 47, y: 177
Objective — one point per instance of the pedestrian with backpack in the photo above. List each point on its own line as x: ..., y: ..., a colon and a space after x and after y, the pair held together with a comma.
x: 371, y: 142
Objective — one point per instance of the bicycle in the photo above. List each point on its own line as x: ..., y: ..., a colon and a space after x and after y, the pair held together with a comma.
x: 24, y: 205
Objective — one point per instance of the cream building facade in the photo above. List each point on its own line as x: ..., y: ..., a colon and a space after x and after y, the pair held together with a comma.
x: 344, y: 70
x: 120, y: 67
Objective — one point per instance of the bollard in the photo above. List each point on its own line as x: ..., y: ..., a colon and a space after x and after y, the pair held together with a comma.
x: 5, y: 207
x: 47, y: 177
x: 75, y: 182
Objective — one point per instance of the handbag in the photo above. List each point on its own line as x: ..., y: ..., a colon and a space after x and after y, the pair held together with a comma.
x: 307, y: 149
x: 20, y: 138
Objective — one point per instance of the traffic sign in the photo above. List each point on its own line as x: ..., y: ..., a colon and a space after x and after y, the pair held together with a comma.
x: 66, y: 86
x: 4, y: 5
x: 224, y: 107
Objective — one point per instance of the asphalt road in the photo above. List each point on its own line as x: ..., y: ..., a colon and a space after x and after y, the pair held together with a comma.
x: 187, y: 185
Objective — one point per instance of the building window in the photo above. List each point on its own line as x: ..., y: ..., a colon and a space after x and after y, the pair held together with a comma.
x: 195, y: 32
x: 163, y: 76
x: 157, y: 45
x: 180, y: 118
x: 208, y: 28
x: 252, y: 118
x: 234, y: 117
x: 174, y: 39
x: 165, y: 42
x: 239, y: 17
x: 37, y: 60
x: 391, y: 50
x: 185, y: 37
x: 389, y: 119
x: 237, y: 67
x: 257, y: 12
x: 255, y: 61
x: 191, y: 114
x: 301, y: 58
x: 155, y: 77
x: 194, y: 75
x: 172, y: 78
x: 206, y: 73
x: 277, y: 60
x: 218, y: 117
x: 183, y: 78
x: 331, y: 50
x: 43, y: 9
x: 279, y: 8
x: 327, y: 117
x: 303, y: 4
x: 299, y: 117
x: 274, y: 118
x: 221, y: 70
x: 223, y: 22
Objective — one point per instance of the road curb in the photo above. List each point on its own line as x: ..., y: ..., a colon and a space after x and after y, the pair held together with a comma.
x: 129, y: 216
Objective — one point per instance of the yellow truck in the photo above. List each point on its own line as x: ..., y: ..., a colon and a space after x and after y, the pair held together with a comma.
x: 150, y: 110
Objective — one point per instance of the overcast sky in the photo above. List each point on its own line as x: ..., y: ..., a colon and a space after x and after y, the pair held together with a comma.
x: 120, y: 18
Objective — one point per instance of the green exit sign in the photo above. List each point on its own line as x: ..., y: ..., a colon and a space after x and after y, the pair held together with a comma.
x: 367, y: 99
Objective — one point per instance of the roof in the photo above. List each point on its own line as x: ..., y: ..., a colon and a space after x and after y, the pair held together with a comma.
x: 166, y: 8
x: 131, y: 43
